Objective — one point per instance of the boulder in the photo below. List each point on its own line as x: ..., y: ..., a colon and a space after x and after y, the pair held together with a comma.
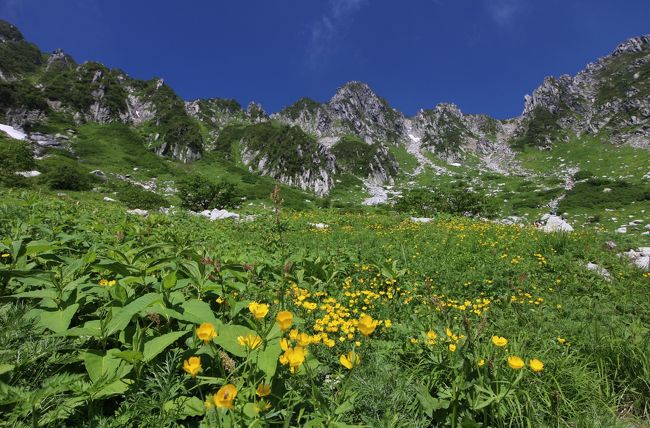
x: 421, y: 219
x: 599, y: 270
x: 217, y: 214
x: 28, y: 174
x: 138, y: 211
x: 556, y: 224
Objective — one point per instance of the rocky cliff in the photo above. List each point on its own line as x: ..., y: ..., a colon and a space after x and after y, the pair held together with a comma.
x: 308, y: 142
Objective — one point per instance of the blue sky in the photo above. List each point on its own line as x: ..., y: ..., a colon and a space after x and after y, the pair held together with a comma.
x: 483, y: 55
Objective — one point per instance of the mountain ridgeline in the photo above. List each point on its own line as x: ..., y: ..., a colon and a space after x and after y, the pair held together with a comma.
x: 309, y: 143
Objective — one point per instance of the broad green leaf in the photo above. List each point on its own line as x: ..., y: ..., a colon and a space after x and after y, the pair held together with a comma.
x: 38, y: 247
x: 267, y: 358
x: 250, y: 410
x: 6, y: 368
x: 129, y: 356
x: 227, y: 338
x: 197, y: 312
x: 155, y: 346
x: 122, y: 316
x: 170, y: 280
x: 37, y: 294
x: 184, y: 407
x: 107, y: 367
x: 90, y: 328
x: 58, y: 321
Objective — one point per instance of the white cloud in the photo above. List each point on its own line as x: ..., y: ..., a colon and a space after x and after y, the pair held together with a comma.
x: 504, y: 12
x: 327, y: 32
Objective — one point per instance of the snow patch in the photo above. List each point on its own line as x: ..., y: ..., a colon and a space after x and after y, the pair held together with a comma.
x: 13, y: 132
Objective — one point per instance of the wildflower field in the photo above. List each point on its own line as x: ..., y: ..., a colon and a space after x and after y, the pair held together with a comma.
x: 113, y: 320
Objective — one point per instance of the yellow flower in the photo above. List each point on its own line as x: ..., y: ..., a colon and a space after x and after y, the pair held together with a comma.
x: 106, y: 283
x: 480, y: 363
x: 303, y: 339
x: 367, y: 325
x: 452, y: 347
x: 294, y: 357
x: 293, y: 334
x: 515, y: 362
x: 5, y: 255
x: 220, y: 300
x: 388, y: 323
x: 536, y: 365
x: 263, y: 390
x: 206, y: 332
x: 448, y: 332
x: 250, y: 341
x: 225, y: 396
x: 284, y: 319
x: 431, y: 337
x: 285, y: 344
x: 350, y: 361
x: 499, y: 341
x: 561, y: 341
x: 192, y: 366
x: 259, y: 310
x: 414, y: 340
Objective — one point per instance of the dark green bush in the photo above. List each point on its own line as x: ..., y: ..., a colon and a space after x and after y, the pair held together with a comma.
x: 137, y: 197
x: 65, y: 174
x: 198, y: 193
x: 591, y: 194
x: 15, y: 156
x: 456, y: 201
x: 583, y: 174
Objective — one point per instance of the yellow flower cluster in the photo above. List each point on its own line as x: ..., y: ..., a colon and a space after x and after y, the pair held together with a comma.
x: 107, y: 283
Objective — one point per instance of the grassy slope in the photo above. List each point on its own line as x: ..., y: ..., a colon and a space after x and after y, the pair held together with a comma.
x: 601, y: 377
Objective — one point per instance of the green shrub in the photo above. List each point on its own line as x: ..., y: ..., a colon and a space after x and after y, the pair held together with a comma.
x: 15, y: 156
x: 457, y: 201
x: 591, y: 194
x: 583, y: 174
x: 65, y: 174
x: 358, y: 157
x: 198, y: 193
x: 137, y: 197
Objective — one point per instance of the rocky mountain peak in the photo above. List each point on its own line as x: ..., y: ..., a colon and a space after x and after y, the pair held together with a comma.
x: 256, y: 112
x: 635, y: 44
x: 59, y: 58
x: 10, y: 32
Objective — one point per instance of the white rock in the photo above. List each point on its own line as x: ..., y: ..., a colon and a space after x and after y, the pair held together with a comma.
x: 621, y: 230
x: 28, y: 174
x: 107, y: 199
x: 421, y: 219
x: 607, y: 190
x: 217, y: 214
x: 556, y: 224
x: 138, y: 211
x: 12, y: 132
x: 599, y: 270
x: 642, y: 262
x: 319, y: 225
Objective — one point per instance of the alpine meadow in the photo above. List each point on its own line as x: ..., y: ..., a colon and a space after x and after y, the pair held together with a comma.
x: 192, y: 263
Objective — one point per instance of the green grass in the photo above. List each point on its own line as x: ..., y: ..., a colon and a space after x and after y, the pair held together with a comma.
x: 78, y: 353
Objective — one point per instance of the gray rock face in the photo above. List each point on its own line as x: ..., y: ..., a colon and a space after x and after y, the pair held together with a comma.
x: 611, y: 93
x: 60, y: 59
x: 315, y: 173
x: 354, y: 109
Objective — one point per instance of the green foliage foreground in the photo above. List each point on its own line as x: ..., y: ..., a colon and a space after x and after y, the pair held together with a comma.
x: 113, y: 320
